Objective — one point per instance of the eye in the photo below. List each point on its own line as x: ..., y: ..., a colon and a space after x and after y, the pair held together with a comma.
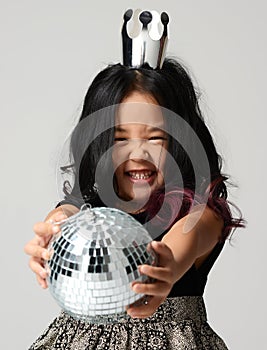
x: 118, y: 139
x: 159, y: 139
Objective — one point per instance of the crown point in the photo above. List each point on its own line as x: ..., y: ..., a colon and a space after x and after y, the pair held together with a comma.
x: 128, y: 15
x: 145, y: 17
x: 164, y: 18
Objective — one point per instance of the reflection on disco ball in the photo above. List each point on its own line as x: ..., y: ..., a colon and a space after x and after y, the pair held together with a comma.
x: 93, y: 261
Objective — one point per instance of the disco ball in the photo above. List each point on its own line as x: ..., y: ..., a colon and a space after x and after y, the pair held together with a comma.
x: 93, y: 260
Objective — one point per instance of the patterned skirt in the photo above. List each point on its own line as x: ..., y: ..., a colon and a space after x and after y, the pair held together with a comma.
x: 180, y: 323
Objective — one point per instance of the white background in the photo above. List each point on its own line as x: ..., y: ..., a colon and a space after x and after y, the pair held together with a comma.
x: 50, y: 51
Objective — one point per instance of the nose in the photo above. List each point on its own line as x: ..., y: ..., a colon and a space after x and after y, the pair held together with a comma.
x: 138, y: 150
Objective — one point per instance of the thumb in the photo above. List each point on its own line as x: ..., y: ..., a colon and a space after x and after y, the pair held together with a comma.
x: 163, y: 252
x: 56, y: 217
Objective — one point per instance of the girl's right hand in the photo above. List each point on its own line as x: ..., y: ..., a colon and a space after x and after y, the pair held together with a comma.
x: 36, y: 247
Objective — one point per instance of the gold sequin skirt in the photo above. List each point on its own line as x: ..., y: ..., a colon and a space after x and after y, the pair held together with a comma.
x: 180, y: 323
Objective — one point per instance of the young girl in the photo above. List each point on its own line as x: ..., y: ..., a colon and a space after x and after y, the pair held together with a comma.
x: 156, y: 151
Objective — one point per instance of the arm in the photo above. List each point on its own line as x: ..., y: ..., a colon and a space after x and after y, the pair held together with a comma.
x: 187, y: 247
x: 178, y: 251
x: 36, y: 247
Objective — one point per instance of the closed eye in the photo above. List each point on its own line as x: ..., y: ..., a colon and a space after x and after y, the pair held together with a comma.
x: 120, y: 139
x: 157, y: 138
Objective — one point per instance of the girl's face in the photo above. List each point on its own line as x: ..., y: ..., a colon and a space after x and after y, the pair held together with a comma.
x: 140, y: 148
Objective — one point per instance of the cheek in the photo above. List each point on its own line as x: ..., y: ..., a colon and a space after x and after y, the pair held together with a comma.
x: 162, y: 160
x: 118, y: 170
x: 118, y: 158
x: 115, y: 161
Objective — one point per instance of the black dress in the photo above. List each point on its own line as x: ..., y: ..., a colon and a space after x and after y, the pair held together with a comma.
x: 180, y: 323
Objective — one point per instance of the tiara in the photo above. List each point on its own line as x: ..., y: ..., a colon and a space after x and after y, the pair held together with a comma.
x: 148, y: 39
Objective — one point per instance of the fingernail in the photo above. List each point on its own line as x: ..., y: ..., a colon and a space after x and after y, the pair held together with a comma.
x: 43, y: 285
x: 154, y: 244
x: 149, y: 246
x: 45, y: 255
x: 136, y: 288
x: 143, y: 269
x: 43, y: 274
x: 55, y: 229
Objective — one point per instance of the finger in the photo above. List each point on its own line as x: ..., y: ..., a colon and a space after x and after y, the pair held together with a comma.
x: 57, y: 217
x: 162, y: 249
x: 158, y: 288
x: 42, y: 282
x: 35, y: 250
x: 41, y: 274
x: 142, y: 310
x: 44, y: 229
x: 37, y: 267
x: 153, y: 253
x: 156, y: 272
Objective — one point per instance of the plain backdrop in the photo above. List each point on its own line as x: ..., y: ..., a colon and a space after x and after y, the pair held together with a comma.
x: 50, y: 51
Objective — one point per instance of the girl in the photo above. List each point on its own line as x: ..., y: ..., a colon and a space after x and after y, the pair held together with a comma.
x: 155, y: 150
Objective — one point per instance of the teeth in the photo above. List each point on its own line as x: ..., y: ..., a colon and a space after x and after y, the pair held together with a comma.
x: 140, y: 175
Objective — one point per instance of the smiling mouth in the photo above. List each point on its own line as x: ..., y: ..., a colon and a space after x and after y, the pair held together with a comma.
x: 140, y: 175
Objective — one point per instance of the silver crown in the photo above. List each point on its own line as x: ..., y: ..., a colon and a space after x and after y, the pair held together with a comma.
x: 146, y: 42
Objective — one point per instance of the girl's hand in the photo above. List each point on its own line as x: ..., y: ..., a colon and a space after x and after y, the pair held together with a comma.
x: 36, y: 247
x: 157, y: 291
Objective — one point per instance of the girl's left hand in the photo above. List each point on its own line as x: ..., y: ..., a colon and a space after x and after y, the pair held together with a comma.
x: 157, y: 291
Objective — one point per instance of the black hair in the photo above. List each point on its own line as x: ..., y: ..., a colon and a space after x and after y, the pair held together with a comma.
x: 172, y: 88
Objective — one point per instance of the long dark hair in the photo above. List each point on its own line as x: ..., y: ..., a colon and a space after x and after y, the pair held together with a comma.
x: 172, y: 88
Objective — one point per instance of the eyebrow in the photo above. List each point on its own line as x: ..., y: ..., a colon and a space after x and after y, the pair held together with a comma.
x: 118, y: 128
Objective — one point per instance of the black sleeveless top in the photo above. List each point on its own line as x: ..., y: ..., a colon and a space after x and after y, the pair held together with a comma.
x: 193, y: 282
